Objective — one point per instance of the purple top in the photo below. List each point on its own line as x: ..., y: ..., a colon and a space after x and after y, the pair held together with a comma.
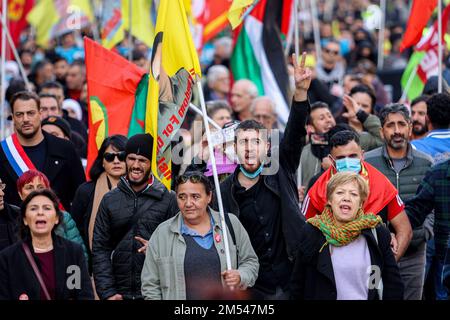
x: 47, y: 262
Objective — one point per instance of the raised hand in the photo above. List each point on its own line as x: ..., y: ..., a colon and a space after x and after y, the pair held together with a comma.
x: 302, y: 76
x: 351, y: 105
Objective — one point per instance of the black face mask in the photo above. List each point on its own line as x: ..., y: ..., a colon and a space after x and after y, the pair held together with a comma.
x: 319, y: 144
x: 320, y: 139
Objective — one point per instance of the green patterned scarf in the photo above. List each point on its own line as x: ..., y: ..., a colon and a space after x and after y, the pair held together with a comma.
x: 341, y: 236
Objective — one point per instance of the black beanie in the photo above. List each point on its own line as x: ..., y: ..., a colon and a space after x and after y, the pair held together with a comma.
x: 60, y: 123
x: 140, y: 144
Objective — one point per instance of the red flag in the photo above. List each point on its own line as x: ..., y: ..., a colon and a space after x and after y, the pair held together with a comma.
x: 429, y: 43
x: 287, y: 16
x: 420, y: 14
x: 112, y: 83
x: 210, y: 19
x: 17, y: 13
x: 316, y: 198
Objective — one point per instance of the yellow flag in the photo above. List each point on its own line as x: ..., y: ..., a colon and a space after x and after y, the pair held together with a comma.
x: 141, y: 27
x: 239, y: 10
x: 174, y: 66
x: 111, y: 24
x: 51, y: 18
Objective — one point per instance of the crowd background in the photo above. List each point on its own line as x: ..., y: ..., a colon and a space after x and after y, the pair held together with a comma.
x: 349, y: 90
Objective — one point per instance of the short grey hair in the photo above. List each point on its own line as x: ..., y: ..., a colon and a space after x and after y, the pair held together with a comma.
x: 225, y: 42
x: 394, y: 108
x: 251, y: 88
x: 267, y: 99
x: 215, y: 72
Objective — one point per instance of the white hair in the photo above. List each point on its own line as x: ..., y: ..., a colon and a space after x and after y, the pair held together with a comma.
x: 215, y: 72
x: 225, y: 42
x: 265, y: 99
x: 250, y: 87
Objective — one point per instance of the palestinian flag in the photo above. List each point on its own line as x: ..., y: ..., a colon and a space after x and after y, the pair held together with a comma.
x: 424, y: 61
x: 117, y: 95
x: 258, y: 53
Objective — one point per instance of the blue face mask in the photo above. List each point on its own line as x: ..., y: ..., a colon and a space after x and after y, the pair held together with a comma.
x: 252, y: 175
x: 348, y: 164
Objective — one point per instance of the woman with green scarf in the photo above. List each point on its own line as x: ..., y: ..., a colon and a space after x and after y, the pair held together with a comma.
x: 344, y: 253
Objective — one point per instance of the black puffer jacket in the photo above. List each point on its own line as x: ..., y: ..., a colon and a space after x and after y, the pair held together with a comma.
x: 122, y: 215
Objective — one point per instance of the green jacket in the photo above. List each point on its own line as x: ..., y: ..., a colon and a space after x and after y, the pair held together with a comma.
x: 69, y: 231
x: 162, y: 276
x: 406, y: 182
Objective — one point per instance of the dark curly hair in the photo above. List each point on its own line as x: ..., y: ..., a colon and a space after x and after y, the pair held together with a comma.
x: 438, y: 110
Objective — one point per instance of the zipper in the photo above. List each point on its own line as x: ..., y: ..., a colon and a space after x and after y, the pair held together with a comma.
x: 133, y: 253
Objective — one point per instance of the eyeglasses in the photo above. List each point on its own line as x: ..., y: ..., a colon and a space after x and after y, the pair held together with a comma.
x: 334, y: 52
x: 110, y: 156
x: 2, y: 186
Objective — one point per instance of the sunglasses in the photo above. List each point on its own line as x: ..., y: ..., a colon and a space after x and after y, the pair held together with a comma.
x: 192, y: 177
x: 331, y: 51
x: 110, y: 156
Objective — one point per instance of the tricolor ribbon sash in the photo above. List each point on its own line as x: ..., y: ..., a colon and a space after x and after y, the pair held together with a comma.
x: 16, y: 156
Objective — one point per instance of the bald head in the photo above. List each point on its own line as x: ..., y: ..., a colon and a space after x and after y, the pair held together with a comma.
x: 243, y: 93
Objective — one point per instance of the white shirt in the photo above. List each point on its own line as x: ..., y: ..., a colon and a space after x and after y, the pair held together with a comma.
x: 351, y: 267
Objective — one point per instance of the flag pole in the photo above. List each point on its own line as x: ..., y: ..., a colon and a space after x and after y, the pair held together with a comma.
x: 408, y: 84
x: 211, y: 121
x: 215, y: 175
x: 315, y: 29
x: 16, y: 57
x: 440, y: 47
x: 296, y: 40
x: 381, y: 35
x: 95, y: 24
x: 3, y: 67
x: 291, y: 31
x: 130, y: 36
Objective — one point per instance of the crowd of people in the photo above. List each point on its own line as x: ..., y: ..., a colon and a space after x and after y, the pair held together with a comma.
x: 348, y: 200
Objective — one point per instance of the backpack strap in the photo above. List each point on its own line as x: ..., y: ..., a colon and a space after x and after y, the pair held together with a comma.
x: 36, y: 270
x: 230, y: 228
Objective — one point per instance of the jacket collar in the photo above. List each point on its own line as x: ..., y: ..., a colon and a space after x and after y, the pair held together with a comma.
x: 59, y: 256
x: 310, y: 248
x: 175, y: 225
x: 155, y: 190
x: 409, y: 155
x: 270, y: 183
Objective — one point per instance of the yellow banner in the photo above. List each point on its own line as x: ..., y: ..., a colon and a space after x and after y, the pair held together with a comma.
x: 51, y: 18
x: 174, y: 66
x: 239, y: 10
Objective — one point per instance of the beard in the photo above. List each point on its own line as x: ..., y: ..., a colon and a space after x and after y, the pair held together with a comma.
x: 423, y: 128
x: 28, y: 135
x: 398, y: 145
x: 141, y: 182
